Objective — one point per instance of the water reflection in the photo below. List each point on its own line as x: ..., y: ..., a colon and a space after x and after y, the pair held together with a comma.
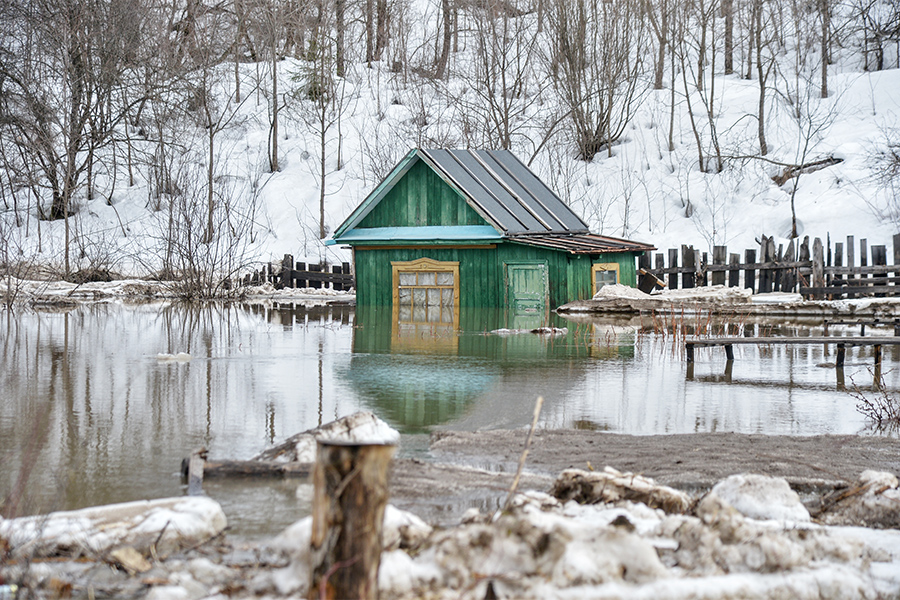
x: 88, y: 415
x: 470, y: 373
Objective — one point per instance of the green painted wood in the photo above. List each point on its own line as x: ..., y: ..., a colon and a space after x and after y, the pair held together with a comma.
x: 421, y: 198
x: 482, y: 277
x: 527, y: 287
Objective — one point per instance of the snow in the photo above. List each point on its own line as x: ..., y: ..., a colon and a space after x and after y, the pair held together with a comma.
x: 168, y: 523
x: 761, y: 497
x: 642, y: 190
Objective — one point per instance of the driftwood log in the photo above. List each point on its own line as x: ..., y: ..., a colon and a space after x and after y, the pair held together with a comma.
x: 244, y: 468
x: 349, y: 498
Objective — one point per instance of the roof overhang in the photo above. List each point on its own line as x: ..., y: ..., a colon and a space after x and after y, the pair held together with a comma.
x: 432, y: 235
x: 582, y: 243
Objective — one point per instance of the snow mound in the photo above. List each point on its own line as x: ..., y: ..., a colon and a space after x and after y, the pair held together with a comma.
x: 611, y: 485
x: 776, y: 298
x: 874, y: 501
x: 617, y: 290
x: 761, y: 497
x: 360, y: 428
x: 717, y: 293
x: 168, y: 524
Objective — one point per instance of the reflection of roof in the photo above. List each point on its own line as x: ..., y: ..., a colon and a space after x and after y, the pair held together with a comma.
x: 582, y: 243
x: 504, y: 191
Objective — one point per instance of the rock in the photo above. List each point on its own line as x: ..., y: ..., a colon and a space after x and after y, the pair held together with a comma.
x: 589, y: 487
x: 169, y: 524
x: 874, y: 501
x: 761, y: 497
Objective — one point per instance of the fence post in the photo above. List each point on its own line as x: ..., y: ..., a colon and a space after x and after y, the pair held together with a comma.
x: 313, y: 283
x: 766, y: 256
x: 818, y: 270
x: 350, y: 492
x: 345, y: 269
x: 851, y: 252
x: 749, y: 273
x: 673, y: 263
x: 734, y: 274
x: 863, y: 257
x: 838, y: 262
x: 336, y: 284
x: 287, y: 276
x: 788, y: 278
x: 301, y: 280
x: 896, y: 253
x: 879, y: 258
x: 779, y: 274
x: 700, y: 276
x: 719, y: 254
x: 687, y: 261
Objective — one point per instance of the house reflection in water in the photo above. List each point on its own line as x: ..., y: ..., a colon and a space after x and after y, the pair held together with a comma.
x: 418, y: 369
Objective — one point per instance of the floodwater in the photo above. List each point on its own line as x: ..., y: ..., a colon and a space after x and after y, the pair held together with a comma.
x: 90, y: 415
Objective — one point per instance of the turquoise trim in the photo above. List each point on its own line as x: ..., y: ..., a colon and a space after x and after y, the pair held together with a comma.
x: 463, y: 233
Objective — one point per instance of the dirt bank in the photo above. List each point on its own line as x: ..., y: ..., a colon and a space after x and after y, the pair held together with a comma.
x: 474, y: 469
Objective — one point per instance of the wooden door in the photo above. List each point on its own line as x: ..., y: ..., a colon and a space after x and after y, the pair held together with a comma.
x: 527, y: 288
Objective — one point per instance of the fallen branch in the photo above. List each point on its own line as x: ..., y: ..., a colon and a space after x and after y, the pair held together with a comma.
x: 810, y: 167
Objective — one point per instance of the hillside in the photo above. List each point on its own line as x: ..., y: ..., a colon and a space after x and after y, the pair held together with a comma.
x: 185, y: 179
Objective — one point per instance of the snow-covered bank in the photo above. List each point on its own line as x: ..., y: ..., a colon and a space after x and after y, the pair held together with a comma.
x: 65, y: 292
x: 719, y: 299
x: 596, y: 535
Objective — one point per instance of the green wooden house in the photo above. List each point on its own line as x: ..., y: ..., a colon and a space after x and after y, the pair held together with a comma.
x: 475, y: 228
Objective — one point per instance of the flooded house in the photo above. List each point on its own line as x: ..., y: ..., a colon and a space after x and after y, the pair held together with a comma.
x: 475, y: 228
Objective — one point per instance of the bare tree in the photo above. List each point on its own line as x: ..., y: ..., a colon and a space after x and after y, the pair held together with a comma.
x: 597, y: 66
x: 320, y: 102
x: 62, y: 62
x: 503, y: 91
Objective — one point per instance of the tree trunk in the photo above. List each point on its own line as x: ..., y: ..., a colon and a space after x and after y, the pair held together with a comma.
x: 728, y: 13
x: 370, y: 31
x: 339, y: 26
x: 447, y: 18
x: 761, y: 75
x: 349, y: 498
x: 273, y: 157
x: 382, y: 24
x: 826, y: 23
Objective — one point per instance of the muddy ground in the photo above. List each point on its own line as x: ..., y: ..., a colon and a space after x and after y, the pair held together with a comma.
x: 457, y: 477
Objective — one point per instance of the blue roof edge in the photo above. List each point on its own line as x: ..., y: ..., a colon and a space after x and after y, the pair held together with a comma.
x: 418, y: 234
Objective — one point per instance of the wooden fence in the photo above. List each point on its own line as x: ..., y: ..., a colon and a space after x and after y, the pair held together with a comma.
x: 818, y: 272
x: 289, y: 274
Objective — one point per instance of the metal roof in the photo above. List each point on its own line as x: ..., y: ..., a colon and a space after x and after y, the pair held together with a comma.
x: 504, y: 191
x: 582, y: 243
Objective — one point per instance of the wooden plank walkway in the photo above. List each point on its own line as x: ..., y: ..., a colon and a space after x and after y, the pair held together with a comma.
x: 840, y: 342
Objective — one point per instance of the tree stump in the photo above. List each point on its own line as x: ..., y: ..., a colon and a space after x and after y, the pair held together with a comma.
x: 350, y: 495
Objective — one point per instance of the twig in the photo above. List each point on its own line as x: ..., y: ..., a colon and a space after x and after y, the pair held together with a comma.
x: 515, y: 484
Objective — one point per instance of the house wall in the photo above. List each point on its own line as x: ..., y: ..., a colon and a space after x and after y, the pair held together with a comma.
x: 481, y: 272
x: 421, y: 198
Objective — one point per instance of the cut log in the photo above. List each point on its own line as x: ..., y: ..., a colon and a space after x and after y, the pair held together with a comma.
x: 349, y: 498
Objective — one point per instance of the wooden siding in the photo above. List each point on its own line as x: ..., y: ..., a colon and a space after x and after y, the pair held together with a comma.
x: 482, y: 273
x: 421, y: 198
